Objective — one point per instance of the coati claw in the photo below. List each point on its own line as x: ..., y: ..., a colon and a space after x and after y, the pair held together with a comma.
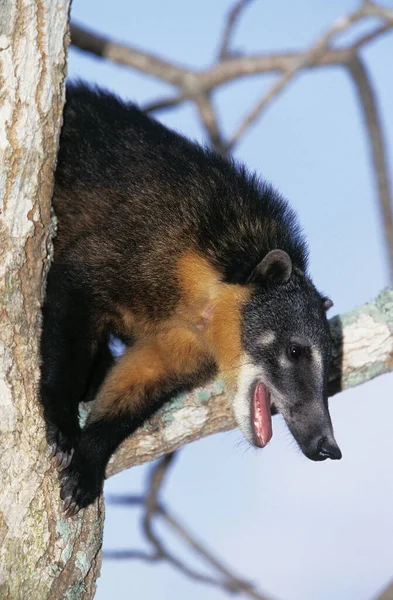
x: 53, y: 449
x: 73, y: 510
x: 80, y: 485
x: 62, y: 446
x: 62, y: 459
x: 70, y: 508
x: 66, y: 503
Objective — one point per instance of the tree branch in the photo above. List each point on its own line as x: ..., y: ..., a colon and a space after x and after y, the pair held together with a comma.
x: 165, y: 103
x: 371, y: 35
x: 232, y: 20
x: 190, y: 82
x: 372, y: 9
x: 378, y: 152
x: 362, y: 350
x: 387, y: 593
x: 154, y: 508
x: 209, y: 122
x: 127, y: 55
x: 303, y: 60
x: 236, y: 68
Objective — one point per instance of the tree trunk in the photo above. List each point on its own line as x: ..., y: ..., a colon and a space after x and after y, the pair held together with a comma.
x: 42, y: 556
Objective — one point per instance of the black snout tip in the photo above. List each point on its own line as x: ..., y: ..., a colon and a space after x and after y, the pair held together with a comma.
x: 327, y: 449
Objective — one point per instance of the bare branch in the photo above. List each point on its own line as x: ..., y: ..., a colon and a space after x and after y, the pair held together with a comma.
x: 127, y: 55
x: 232, y: 20
x: 155, y: 483
x: 231, y: 583
x: 372, y: 9
x: 387, y: 593
x: 369, y: 37
x: 164, y: 104
x: 378, y: 151
x: 190, y: 82
x: 197, y: 86
x: 153, y: 508
x: 209, y: 122
x: 236, y: 68
x: 303, y: 61
x: 130, y: 555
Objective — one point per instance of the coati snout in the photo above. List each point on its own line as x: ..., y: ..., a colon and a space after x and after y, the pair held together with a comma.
x: 286, y: 360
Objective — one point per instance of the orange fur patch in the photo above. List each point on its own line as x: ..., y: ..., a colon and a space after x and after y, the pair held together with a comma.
x: 171, y: 354
x: 224, y: 331
x: 214, y: 308
x: 199, y: 284
x: 206, y: 325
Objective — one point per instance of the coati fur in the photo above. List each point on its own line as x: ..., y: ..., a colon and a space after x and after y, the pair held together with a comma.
x: 197, y: 265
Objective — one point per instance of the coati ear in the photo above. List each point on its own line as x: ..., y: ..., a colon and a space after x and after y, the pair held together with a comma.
x: 276, y: 266
x: 326, y: 303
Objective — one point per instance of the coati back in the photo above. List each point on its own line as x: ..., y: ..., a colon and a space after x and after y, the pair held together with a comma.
x: 199, y: 266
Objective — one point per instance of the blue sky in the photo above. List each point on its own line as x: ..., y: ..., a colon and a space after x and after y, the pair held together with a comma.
x: 300, y: 530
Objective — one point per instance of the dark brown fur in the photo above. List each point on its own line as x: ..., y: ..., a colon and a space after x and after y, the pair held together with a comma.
x: 159, y: 242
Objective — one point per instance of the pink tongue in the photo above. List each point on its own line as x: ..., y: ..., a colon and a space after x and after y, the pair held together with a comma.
x: 262, y: 420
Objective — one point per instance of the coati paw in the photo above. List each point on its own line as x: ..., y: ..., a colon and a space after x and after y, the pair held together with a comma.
x: 62, y: 446
x: 80, y: 485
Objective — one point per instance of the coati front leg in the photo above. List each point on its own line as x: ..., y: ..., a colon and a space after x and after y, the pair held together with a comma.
x: 66, y: 357
x: 146, y: 376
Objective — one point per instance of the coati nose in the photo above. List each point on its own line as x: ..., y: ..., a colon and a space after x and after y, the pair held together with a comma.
x: 327, y: 448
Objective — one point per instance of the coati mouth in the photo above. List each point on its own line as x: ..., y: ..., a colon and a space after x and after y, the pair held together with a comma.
x: 261, y: 415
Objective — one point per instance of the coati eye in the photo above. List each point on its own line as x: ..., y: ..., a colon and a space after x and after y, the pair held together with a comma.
x: 295, y: 351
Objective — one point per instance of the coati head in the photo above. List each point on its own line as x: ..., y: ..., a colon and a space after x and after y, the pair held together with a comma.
x: 285, y: 366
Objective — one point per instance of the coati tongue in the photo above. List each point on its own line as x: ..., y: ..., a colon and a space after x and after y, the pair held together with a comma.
x: 261, y: 417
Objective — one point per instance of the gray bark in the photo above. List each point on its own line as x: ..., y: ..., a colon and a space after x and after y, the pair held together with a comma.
x: 42, y: 556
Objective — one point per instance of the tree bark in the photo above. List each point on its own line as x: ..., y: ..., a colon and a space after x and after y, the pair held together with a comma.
x: 387, y: 594
x: 42, y: 556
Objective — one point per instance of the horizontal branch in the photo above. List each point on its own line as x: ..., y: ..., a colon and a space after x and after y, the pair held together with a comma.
x: 198, y: 81
x: 198, y: 85
x: 127, y: 55
x: 387, y: 593
x: 252, y: 64
x: 362, y: 349
x: 304, y: 60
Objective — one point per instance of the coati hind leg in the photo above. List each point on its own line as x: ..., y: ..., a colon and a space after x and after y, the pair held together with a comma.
x: 146, y: 376
x: 67, y: 352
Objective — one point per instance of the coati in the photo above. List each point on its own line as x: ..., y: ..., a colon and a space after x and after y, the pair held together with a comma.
x: 199, y: 266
